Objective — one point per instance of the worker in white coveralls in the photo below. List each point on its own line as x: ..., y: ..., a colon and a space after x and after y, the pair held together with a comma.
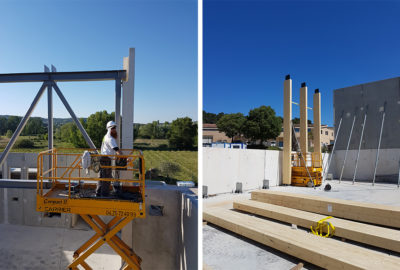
x: 109, y: 146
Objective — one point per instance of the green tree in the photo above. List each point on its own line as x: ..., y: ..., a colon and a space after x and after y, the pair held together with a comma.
x: 231, y: 124
x: 211, y: 118
x: 262, y: 124
x: 9, y: 134
x: 164, y: 129
x: 182, y: 133
x: 24, y: 143
x: 13, y: 122
x: 296, y: 121
x: 71, y: 133
x: 96, y: 126
x: 136, y: 128
x: 34, y: 126
x: 3, y: 125
x: 151, y: 130
x: 57, y: 133
x: 169, y: 168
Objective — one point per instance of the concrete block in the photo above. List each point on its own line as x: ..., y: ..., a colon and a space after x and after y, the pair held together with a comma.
x: 205, y: 191
x: 265, y: 184
x: 239, y: 187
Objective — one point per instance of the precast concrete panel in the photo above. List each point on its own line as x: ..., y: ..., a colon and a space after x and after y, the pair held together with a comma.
x: 370, y: 98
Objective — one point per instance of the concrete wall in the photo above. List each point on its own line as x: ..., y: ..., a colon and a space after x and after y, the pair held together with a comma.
x: 387, y: 170
x: 169, y: 240
x: 223, y: 168
x: 356, y: 100
x: 18, y: 206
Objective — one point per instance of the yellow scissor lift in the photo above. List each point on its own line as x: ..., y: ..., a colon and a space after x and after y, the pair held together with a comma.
x: 304, y: 167
x: 73, y: 191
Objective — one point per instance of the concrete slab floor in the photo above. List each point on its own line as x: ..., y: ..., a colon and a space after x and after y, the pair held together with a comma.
x: 28, y: 247
x: 225, y: 250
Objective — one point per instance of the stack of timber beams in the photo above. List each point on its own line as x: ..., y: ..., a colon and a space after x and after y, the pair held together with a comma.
x: 364, y: 212
x: 360, y: 232
x: 324, y: 252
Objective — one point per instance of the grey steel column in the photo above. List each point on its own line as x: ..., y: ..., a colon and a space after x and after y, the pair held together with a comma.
x: 50, y: 123
x: 334, y: 146
x: 23, y: 123
x: 379, y: 143
x: 118, y: 109
x: 347, y: 148
x: 359, y: 146
x: 76, y: 120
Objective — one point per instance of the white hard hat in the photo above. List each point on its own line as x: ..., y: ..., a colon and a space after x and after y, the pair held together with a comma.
x: 111, y: 124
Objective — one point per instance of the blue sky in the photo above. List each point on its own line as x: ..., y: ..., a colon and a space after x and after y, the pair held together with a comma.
x: 249, y: 47
x: 96, y: 35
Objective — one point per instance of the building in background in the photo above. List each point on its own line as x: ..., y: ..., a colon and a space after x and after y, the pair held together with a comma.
x: 211, y: 134
x: 327, y: 136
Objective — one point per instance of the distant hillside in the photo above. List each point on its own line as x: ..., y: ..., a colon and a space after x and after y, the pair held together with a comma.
x: 57, y: 122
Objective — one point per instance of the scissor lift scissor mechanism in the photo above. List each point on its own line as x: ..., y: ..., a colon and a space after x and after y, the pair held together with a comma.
x: 73, y: 191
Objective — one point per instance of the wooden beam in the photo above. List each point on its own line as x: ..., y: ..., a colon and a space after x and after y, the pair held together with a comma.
x: 366, y: 212
x: 297, y: 267
x: 324, y: 252
x: 287, y: 131
x: 364, y: 233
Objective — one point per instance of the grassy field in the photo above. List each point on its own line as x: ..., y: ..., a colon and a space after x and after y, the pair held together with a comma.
x: 39, y: 144
x: 186, y: 161
x: 155, y: 152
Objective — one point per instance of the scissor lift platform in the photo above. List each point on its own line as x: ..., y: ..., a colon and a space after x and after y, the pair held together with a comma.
x: 73, y: 191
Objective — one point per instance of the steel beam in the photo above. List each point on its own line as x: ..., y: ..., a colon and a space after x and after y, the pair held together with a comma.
x: 379, y: 143
x: 398, y: 181
x: 63, y: 76
x: 23, y: 123
x: 359, y: 145
x: 348, y: 145
x: 76, y: 120
x: 333, y: 148
x: 50, y: 121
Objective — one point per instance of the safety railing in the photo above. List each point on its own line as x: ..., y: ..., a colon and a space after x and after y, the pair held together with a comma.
x: 64, y: 167
x: 310, y: 159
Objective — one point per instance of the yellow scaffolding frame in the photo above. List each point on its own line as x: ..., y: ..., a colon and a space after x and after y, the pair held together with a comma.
x: 62, y: 199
